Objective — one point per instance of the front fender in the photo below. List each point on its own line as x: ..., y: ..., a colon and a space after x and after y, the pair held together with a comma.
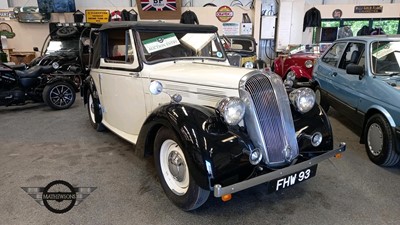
x: 63, y: 79
x: 214, y: 150
x: 299, y: 72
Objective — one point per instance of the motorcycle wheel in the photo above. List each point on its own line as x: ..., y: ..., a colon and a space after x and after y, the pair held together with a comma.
x: 94, y: 111
x: 59, y: 95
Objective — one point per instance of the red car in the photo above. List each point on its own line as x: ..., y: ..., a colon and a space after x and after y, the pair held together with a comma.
x: 296, y: 66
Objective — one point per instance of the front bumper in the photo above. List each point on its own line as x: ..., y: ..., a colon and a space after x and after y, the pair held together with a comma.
x: 220, y: 191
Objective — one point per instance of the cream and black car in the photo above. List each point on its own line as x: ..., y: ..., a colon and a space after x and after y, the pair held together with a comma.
x: 211, y: 127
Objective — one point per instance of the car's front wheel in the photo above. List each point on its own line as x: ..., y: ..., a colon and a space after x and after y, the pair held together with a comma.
x: 379, y: 141
x: 173, y: 171
x: 319, y: 98
x: 59, y: 95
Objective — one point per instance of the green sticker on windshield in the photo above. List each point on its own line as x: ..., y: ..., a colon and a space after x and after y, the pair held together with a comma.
x: 160, y: 42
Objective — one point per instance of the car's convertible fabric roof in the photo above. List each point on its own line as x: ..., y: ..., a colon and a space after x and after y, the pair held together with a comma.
x: 158, y: 26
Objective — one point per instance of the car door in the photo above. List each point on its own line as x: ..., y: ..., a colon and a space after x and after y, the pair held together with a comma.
x: 349, y: 87
x: 327, y: 69
x: 121, y: 85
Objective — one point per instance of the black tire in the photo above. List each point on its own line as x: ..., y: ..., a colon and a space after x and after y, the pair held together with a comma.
x: 187, y: 195
x: 321, y: 100
x: 59, y: 95
x: 66, y: 31
x: 379, y: 141
x: 94, y: 111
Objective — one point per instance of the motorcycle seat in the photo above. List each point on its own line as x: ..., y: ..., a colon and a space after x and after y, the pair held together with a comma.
x: 18, y: 67
x: 34, y: 72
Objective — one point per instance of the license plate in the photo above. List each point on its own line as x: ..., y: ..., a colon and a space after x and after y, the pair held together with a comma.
x: 292, y: 179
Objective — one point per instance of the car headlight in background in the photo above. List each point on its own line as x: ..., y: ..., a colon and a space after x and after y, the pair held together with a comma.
x: 249, y: 64
x: 308, y: 63
x: 55, y: 65
x: 303, y: 99
x: 232, y: 109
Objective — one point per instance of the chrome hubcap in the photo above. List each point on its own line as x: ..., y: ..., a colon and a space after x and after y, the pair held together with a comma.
x: 174, y: 167
x: 375, y: 139
x: 61, y: 95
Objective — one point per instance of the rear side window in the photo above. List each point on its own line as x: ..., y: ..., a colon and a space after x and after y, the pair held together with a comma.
x: 332, y: 57
x: 119, y: 47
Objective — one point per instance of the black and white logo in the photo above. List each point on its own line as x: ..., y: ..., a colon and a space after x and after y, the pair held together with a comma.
x: 59, y: 196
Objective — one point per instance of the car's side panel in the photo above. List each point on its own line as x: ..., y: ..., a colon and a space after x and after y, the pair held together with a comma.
x: 121, y: 113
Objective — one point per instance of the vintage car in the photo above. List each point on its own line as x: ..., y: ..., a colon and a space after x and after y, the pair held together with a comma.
x: 360, y: 77
x: 211, y: 127
x: 66, y: 46
x: 297, y: 65
x: 241, y: 50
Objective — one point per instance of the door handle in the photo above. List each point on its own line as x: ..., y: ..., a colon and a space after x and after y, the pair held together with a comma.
x: 334, y: 74
x: 134, y: 75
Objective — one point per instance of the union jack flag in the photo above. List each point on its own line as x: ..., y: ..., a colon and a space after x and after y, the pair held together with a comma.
x: 158, y: 5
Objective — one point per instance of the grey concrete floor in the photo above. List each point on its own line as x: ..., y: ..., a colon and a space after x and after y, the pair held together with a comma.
x: 39, y: 145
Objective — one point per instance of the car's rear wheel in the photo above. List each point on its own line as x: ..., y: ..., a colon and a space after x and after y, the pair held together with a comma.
x: 59, y: 95
x: 379, y: 141
x: 174, y: 173
x: 94, y: 110
x: 320, y: 99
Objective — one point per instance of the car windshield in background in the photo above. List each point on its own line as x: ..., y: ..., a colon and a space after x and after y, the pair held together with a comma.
x: 57, y: 46
x: 386, y: 57
x: 170, y: 45
x: 241, y: 45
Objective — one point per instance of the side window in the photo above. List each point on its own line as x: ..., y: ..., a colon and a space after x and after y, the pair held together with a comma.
x: 119, y: 47
x: 353, y: 55
x: 333, y: 55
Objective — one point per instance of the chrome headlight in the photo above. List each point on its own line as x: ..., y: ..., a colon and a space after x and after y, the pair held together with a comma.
x: 308, y: 63
x: 231, y: 109
x: 55, y: 65
x: 248, y: 64
x: 303, y: 99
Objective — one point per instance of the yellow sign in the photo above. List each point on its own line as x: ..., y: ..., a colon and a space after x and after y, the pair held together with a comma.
x: 97, y: 16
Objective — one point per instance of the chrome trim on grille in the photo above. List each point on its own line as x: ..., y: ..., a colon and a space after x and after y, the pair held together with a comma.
x: 268, y: 117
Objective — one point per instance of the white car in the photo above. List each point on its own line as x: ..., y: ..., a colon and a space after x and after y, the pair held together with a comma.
x: 211, y: 127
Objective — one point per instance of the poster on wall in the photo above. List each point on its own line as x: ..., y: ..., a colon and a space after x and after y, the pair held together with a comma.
x: 159, y: 9
x: 56, y: 6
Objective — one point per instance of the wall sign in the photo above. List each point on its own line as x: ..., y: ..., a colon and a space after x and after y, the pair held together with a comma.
x: 368, y: 9
x: 159, y: 9
x: 97, y: 16
x: 224, y: 13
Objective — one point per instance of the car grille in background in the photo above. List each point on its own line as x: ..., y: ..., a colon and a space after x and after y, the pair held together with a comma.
x: 234, y: 59
x: 273, y: 116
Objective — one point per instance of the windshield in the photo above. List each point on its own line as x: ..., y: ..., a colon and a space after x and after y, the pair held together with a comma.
x: 385, y: 57
x: 175, y: 45
x: 239, y: 45
x: 64, y: 46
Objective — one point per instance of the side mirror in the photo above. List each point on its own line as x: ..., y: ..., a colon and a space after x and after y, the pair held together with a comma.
x: 155, y: 87
x: 355, y: 70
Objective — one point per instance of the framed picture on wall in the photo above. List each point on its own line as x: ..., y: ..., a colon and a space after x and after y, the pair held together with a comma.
x: 159, y: 9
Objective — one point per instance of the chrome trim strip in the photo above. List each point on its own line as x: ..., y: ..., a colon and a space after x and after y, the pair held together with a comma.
x: 220, y: 191
x: 179, y: 82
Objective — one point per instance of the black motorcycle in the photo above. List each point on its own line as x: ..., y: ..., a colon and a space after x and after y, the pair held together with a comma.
x: 19, y: 86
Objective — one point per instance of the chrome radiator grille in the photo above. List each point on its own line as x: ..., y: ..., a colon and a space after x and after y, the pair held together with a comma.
x: 272, y: 127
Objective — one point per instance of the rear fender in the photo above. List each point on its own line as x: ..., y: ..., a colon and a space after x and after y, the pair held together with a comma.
x: 63, y: 79
x: 88, y: 87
